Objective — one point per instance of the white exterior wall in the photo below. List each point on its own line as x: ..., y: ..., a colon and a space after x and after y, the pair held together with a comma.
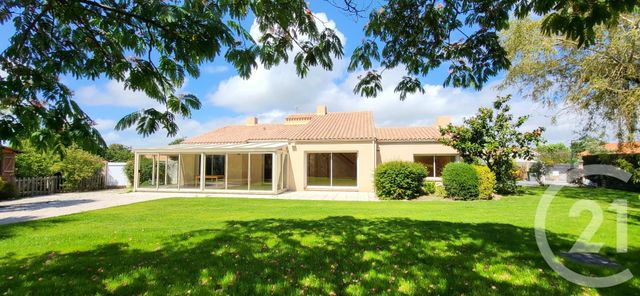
x: 406, y: 151
x: 115, y: 175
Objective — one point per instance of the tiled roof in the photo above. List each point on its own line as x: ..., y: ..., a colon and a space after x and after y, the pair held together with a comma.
x: 407, y: 134
x: 331, y: 126
x: 339, y: 126
x: 623, y: 148
x: 244, y: 133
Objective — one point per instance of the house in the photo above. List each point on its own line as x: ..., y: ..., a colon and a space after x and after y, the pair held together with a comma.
x: 308, y: 151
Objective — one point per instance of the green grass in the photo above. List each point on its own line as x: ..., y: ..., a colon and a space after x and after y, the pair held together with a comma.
x: 249, y: 246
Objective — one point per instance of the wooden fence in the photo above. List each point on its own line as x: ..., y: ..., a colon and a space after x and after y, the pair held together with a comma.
x: 54, y: 184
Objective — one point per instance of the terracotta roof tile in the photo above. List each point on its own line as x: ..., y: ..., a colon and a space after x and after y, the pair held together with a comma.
x: 332, y: 126
x: 407, y: 134
x: 339, y: 126
x: 244, y: 133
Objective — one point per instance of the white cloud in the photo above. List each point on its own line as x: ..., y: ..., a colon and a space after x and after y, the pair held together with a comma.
x: 279, y: 87
x: 113, y: 93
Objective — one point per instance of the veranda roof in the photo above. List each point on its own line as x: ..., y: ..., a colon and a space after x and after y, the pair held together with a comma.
x: 237, y: 147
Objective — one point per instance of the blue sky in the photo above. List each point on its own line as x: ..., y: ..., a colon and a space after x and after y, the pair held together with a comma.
x: 271, y: 94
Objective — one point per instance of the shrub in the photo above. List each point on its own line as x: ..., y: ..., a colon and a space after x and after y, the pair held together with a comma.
x: 487, y: 181
x: 7, y: 190
x: 429, y: 187
x: 33, y: 163
x: 78, y: 165
x: 399, y: 180
x: 440, y: 191
x: 538, y: 169
x: 461, y: 181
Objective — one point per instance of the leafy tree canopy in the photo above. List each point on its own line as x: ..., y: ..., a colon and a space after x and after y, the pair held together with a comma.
x: 153, y: 45
x: 599, y: 81
x: 177, y: 141
x: 552, y: 154
x: 118, y: 153
x: 493, y: 135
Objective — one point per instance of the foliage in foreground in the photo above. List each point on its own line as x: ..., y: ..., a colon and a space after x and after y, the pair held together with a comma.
x: 153, y: 46
x: 494, y: 137
x: 399, y: 180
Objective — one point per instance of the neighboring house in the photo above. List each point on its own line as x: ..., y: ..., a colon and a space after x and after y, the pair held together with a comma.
x: 310, y: 151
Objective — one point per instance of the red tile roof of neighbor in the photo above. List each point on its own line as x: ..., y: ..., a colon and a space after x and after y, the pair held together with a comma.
x: 331, y: 126
x: 623, y: 148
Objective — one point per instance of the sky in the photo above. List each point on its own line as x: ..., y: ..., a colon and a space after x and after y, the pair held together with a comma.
x: 272, y: 94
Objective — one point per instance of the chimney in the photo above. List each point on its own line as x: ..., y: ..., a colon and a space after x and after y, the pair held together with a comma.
x: 321, y: 110
x: 443, y: 121
x: 252, y: 120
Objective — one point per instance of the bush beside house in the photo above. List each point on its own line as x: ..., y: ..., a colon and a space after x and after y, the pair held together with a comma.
x: 399, y: 180
x: 487, y: 181
x: 461, y: 181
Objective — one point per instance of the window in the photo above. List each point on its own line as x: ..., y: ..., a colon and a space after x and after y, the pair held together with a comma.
x: 434, y: 163
x: 332, y: 169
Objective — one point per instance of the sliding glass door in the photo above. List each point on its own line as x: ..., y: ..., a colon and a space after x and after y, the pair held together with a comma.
x: 214, y: 171
x: 332, y: 169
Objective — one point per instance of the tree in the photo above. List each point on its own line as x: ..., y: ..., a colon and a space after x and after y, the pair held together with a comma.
x: 153, y: 45
x: 599, y: 81
x: 118, y: 153
x: 34, y: 163
x: 552, y: 154
x: 177, y: 141
x: 494, y: 137
x: 77, y: 165
x: 589, y: 144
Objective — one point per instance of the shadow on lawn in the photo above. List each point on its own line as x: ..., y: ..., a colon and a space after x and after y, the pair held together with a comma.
x: 286, y: 256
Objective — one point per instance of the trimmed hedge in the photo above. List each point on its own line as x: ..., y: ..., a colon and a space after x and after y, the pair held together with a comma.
x: 487, y: 181
x: 399, y: 180
x: 627, y: 162
x: 461, y: 181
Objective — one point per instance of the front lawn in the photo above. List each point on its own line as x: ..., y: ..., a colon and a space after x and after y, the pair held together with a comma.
x: 250, y: 246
